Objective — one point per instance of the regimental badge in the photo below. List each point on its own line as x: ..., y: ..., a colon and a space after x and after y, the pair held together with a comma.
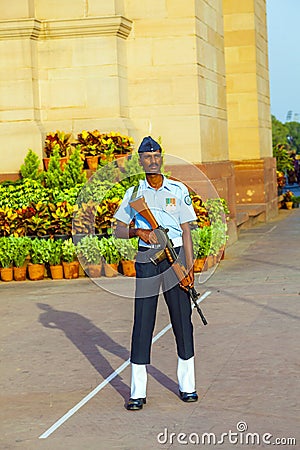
x: 170, y: 204
x: 188, y: 200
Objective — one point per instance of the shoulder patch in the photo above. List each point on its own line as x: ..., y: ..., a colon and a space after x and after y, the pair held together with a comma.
x: 188, y: 200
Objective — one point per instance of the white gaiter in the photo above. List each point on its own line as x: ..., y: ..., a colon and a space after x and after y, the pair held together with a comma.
x: 138, y: 380
x: 186, y: 375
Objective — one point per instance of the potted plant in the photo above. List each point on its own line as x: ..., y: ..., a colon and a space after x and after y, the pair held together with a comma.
x: 84, y: 219
x: 60, y: 141
x: 281, y: 181
x: 218, y: 239
x: 122, y: 145
x: 202, y: 238
x: 90, y: 256
x: 200, y: 247
x: 296, y: 201
x: 53, y: 178
x: 200, y: 211
x: 61, y: 219
x: 128, y: 249
x: 69, y: 259
x: 288, y: 199
x: 89, y: 145
x: 73, y: 170
x: 55, y: 256
x: 37, y: 220
x: 217, y: 209
x: 91, y: 156
x: 111, y: 255
x: 21, y: 251
x: 39, y: 256
x: 104, y: 217
x: 6, y: 258
x: 218, y: 213
x: 8, y: 219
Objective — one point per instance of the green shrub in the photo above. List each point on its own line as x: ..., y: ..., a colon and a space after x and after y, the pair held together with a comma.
x: 94, y: 190
x: 73, y: 173
x: 127, y: 248
x: 217, y: 209
x: 69, y: 251
x: 21, y: 250
x: 55, y: 252
x: 7, y: 245
x: 22, y: 193
x: 109, y: 250
x: 39, y: 251
x: 201, y: 238
x: 69, y: 195
x: 89, y: 250
x: 30, y: 168
x: 54, y: 175
x: 284, y: 161
x: 218, y: 236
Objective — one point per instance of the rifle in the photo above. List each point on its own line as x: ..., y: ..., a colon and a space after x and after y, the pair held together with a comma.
x: 165, y: 242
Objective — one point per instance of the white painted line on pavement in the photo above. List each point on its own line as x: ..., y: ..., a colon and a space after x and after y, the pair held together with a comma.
x: 271, y: 229
x: 100, y: 386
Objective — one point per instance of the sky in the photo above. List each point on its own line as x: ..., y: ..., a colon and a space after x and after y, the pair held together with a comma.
x: 283, y: 21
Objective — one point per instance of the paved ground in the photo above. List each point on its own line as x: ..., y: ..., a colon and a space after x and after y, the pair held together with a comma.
x: 59, y: 340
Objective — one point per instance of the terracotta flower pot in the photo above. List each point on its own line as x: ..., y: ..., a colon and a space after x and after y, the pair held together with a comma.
x: 128, y: 268
x: 63, y: 161
x: 36, y: 271
x: 92, y: 162
x: 7, y: 274
x: 57, y: 272
x: 71, y: 269
x: 94, y: 270
x: 209, y: 262
x: 121, y: 159
x: 20, y: 273
x: 198, y: 264
x: 220, y: 255
x: 111, y: 270
x: 46, y: 163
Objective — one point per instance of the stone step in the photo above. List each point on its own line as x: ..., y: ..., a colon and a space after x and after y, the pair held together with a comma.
x: 249, y: 214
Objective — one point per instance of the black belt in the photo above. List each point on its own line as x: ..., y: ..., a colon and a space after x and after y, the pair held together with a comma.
x: 149, y: 254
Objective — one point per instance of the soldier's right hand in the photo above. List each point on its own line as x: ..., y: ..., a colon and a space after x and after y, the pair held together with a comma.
x: 147, y: 236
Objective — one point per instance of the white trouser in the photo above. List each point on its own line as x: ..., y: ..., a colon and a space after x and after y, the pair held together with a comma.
x: 185, y: 375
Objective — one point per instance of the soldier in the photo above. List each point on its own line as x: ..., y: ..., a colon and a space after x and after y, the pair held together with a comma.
x: 171, y: 205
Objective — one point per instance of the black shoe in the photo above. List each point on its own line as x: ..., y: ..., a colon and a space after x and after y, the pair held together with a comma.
x: 134, y: 404
x: 186, y: 397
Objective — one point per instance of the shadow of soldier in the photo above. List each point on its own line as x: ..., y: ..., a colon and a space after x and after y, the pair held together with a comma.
x: 88, y: 339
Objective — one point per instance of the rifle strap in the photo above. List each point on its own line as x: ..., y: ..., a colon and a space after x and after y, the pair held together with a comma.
x: 134, y: 193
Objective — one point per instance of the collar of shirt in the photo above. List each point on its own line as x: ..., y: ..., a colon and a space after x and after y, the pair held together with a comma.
x: 165, y: 185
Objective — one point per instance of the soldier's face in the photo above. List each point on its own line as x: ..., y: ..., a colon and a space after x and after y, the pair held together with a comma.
x: 151, y: 162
